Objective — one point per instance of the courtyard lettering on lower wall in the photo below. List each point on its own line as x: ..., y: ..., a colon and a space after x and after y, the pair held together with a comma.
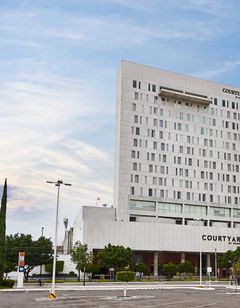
x: 222, y: 238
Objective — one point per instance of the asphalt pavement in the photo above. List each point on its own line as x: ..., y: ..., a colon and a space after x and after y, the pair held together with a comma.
x: 138, y: 295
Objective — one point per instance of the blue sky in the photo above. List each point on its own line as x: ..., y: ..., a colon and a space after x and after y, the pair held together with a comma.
x: 58, y: 64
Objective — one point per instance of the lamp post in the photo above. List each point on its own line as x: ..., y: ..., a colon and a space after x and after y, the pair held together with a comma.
x: 58, y: 184
x: 216, y: 267
x: 200, y: 255
x: 41, y: 257
x: 200, y: 267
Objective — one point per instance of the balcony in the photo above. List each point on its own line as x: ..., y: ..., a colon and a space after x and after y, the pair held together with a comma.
x: 184, y: 96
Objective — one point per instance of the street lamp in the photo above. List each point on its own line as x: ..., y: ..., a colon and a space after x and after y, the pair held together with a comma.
x: 58, y: 184
x: 216, y: 265
x: 200, y: 255
x: 41, y: 257
x: 42, y: 231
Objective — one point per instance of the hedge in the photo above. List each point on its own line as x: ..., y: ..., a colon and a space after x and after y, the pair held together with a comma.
x: 7, y: 283
x: 125, y: 276
x: 59, y: 267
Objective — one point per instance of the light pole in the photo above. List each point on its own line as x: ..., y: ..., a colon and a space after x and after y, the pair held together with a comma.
x: 200, y: 255
x: 58, y: 184
x: 200, y: 265
x: 41, y: 257
x: 216, y: 267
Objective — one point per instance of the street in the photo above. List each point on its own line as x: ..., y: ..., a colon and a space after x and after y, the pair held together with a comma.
x: 221, y: 297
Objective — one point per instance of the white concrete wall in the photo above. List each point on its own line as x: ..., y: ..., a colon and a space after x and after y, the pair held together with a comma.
x: 147, y: 236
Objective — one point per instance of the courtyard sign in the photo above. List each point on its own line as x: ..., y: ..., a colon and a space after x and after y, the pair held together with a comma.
x: 233, y: 92
x: 221, y: 238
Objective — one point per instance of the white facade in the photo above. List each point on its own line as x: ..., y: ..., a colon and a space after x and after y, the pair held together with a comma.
x: 178, y: 142
x: 176, y: 166
x: 101, y: 228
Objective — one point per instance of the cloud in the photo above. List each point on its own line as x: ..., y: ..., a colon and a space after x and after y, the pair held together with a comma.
x: 220, y: 70
x: 58, y: 64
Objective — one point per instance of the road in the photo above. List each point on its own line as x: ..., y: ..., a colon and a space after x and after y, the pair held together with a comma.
x: 220, y: 297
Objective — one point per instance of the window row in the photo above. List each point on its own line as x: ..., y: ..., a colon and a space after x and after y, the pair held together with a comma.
x: 182, y: 195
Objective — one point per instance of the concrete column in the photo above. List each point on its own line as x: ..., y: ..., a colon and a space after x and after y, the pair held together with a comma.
x: 208, y: 260
x: 155, y: 264
x: 182, y: 257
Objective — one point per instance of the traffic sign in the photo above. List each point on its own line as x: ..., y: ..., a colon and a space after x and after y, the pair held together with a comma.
x: 21, y: 259
x: 52, y: 295
x: 209, y: 269
x: 21, y: 269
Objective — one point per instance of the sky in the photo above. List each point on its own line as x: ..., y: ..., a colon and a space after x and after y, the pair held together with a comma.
x: 58, y: 65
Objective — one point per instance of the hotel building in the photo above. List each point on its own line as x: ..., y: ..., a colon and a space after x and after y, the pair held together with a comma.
x: 176, y: 190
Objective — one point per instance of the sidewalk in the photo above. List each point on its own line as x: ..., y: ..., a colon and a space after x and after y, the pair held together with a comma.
x: 119, y: 286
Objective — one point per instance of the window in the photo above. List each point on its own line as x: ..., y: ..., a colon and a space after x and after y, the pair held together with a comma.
x: 179, y: 195
x: 136, y: 178
x: 142, y: 205
x: 150, y: 192
x: 154, y: 88
x: 134, y: 83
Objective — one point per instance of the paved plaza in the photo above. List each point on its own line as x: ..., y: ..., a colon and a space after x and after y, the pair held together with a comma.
x: 187, y: 297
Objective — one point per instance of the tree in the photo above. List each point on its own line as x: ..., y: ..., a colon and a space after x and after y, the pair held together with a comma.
x: 9, y: 267
x: 186, y: 268
x: 82, y: 258
x: 170, y: 270
x: 36, y: 252
x: 141, y: 268
x: 3, y: 231
x: 230, y: 260
x: 117, y: 257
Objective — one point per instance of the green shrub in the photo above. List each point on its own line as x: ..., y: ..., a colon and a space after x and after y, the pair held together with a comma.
x: 72, y: 274
x: 8, y: 283
x: 59, y: 267
x: 125, y: 276
x: 170, y: 270
x: 141, y: 267
x: 186, y: 267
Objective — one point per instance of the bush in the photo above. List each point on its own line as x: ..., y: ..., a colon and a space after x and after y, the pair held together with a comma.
x: 59, y: 267
x: 186, y: 268
x: 8, y: 283
x: 72, y: 274
x: 141, y: 268
x: 170, y: 270
x: 125, y: 276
